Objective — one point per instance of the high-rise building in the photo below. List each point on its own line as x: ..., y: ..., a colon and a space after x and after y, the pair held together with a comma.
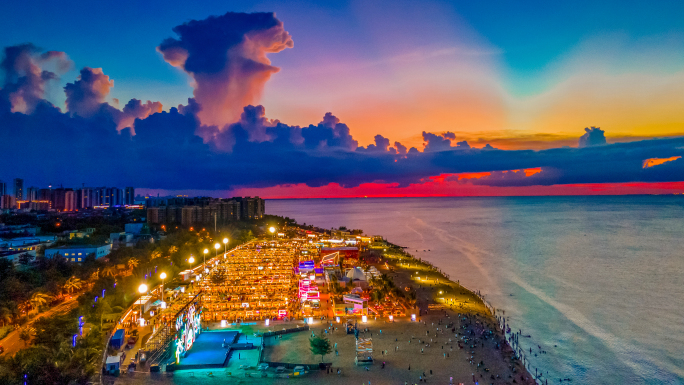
x: 45, y: 194
x: 58, y: 198
x: 251, y: 208
x: 114, y: 196
x: 99, y: 197
x: 7, y: 202
x: 70, y: 200
x: 19, y: 189
x: 32, y: 194
x: 3, y: 188
x: 87, y: 198
x: 129, y: 196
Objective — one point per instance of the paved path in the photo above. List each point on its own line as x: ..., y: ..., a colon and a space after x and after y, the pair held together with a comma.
x: 12, y: 343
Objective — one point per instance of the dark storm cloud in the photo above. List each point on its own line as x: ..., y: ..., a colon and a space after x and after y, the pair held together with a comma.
x: 143, y: 146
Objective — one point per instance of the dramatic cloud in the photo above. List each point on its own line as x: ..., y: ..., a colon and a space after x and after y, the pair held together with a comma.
x: 594, y: 136
x: 218, y: 140
x: 226, y: 57
x: 25, y: 79
x: 85, y: 95
x: 135, y: 109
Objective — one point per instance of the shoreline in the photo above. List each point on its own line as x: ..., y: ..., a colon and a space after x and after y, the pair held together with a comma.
x: 449, y: 296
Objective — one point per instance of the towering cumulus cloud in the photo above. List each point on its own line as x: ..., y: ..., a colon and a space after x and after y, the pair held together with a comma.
x: 85, y: 95
x: 25, y: 78
x: 226, y: 57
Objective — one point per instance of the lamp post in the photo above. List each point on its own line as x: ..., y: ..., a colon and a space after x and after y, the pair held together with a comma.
x: 217, y: 246
x: 191, y: 260
x: 163, y: 277
x: 272, y: 230
x: 142, y: 289
x: 205, y: 256
x: 225, y: 246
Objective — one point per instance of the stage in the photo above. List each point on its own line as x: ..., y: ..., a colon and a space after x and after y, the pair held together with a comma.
x: 207, y: 350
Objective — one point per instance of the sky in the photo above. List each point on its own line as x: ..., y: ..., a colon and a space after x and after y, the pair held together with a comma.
x: 342, y: 99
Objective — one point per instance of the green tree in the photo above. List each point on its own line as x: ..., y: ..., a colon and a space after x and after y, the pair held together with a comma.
x: 25, y: 335
x: 5, y: 315
x: 320, y: 346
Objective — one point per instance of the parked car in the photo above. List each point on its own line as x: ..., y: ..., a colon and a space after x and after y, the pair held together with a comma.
x: 132, y: 340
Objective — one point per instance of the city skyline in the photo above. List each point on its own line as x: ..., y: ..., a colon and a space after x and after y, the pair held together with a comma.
x: 452, y: 104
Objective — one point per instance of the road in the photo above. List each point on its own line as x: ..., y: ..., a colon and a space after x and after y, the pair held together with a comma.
x: 12, y: 343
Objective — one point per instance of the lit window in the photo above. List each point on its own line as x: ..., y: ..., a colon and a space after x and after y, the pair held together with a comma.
x: 79, y: 253
x: 79, y: 259
x: 73, y: 259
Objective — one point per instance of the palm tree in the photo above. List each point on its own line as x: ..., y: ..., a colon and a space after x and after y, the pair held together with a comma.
x: 73, y: 284
x: 39, y: 299
x: 133, y: 263
x: 108, y: 271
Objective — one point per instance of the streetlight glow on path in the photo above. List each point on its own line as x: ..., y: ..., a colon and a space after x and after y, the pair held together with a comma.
x: 142, y: 289
x: 163, y: 277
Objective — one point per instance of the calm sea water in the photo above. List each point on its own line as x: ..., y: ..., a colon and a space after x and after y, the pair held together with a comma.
x: 598, y: 282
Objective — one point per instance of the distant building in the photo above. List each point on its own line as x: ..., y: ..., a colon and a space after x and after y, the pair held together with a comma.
x: 23, y: 230
x: 134, y: 228
x: 70, y: 201
x: 7, y: 202
x: 251, y: 208
x: 129, y: 196
x: 45, y: 194
x: 14, y: 256
x: 3, y: 188
x: 202, y: 210
x: 19, y: 189
x: 27, y: 244
x: 58, y: 198
x: 87, y: 198
x: 32, y: 194
x: 78, y: 253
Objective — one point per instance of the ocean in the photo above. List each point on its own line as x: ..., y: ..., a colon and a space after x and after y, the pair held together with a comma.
x: 597, y: 282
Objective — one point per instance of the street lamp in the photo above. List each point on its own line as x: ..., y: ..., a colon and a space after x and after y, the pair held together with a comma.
x: 142, y: 289
x: 217, y: 246
x: 163, y: 277
x: 272, y: 230
x: 205, y: 255
x: 191, y: 260
x: 225, y: 246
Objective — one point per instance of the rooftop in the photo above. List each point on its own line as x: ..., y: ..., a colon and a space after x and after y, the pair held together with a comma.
x: 77, y: 247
